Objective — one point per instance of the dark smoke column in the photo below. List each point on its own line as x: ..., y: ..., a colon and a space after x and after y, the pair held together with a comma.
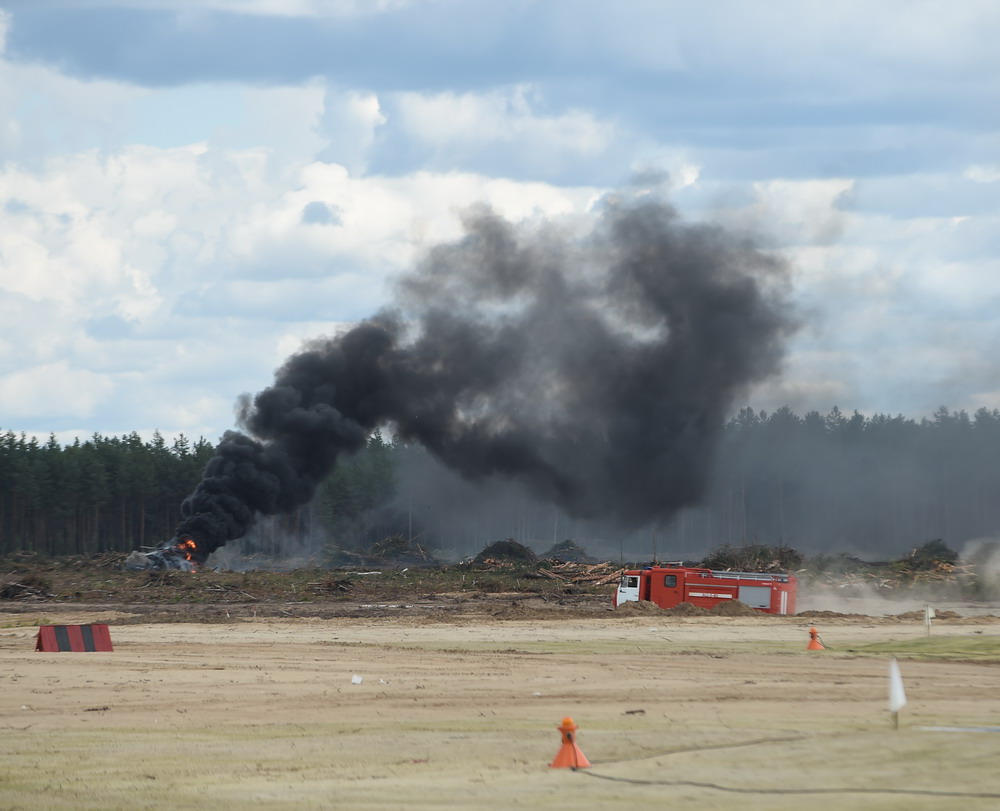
x: 597, y: 370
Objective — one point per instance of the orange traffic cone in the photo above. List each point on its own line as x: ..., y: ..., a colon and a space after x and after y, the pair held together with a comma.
x: 814, y: 643
x: 570, y: 756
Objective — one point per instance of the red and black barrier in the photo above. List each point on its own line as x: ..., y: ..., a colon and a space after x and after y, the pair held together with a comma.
x: 94, y: 637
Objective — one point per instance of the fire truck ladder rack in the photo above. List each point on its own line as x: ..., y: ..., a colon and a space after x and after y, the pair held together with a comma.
x: 771, y: 578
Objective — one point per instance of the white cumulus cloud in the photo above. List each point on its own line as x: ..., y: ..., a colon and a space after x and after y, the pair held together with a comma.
x: 53, y: 390
x: 480, y: 121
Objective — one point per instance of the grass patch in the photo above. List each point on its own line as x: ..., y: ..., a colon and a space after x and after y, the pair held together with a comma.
x: 947, y: 648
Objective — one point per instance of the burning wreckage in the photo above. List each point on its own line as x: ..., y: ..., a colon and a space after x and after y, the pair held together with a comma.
x: 180, y: 554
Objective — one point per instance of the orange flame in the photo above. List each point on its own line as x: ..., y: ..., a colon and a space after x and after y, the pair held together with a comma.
x: 188, y: 548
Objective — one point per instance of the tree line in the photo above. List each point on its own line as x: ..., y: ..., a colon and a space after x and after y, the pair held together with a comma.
x: 872, y: 485
x: 875, y: 486
x: 119, y: 493
x: 836, y: 482
x: 108, y: 493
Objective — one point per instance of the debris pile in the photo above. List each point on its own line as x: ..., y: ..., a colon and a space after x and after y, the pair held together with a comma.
x: 505, y: 552
x: 753, y: 558
x: 569, y: 551
x: 400, y: 549
x: 28, y: 588
x: 582, y: 574
x: 886, y: 577
x: 391, y: 552
x: 931, y: 563
x: 565, y: 562
x: 162, y: 559
x: 930, y: 555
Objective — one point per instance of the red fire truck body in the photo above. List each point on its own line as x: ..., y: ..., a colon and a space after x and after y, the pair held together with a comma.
x: 668, y: 586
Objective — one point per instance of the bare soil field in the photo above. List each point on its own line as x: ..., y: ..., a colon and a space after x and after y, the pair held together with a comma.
x: 244, y: 705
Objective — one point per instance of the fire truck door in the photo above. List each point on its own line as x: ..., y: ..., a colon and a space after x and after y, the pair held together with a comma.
x: 670, y: 589
x: 628, y: 590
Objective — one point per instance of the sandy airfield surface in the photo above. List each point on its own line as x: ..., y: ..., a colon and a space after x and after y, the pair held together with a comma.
x: 460, y: 711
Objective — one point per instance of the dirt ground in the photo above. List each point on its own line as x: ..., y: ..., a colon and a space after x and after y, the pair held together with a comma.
x: 458, y: 704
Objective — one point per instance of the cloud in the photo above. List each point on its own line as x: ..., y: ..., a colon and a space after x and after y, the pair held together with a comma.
x: 752, y: 93
x: 192, y: 9
x: 505, y: 131
x: 794, y: 212
x: 735, y: 52
x: 191, y: 187
x: 44, y: 111
x: 285, y: 8
x: 989, y: 400
x: 348, y: 123
x: 143, y: 272
x: 983, y: 174
x: 927, y: 194
x: 898, y: 310
x: 178, y: 272
x: 53, y: 390
x: 471, y: 121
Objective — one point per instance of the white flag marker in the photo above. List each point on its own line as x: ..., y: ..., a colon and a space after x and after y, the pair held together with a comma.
x: 897, y: 696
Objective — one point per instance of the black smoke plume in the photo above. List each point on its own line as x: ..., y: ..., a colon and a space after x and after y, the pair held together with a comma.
x: 596, y: 370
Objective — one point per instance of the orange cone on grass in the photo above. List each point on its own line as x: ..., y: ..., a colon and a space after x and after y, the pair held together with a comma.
x: 569, y: 756
x: 814, y: 643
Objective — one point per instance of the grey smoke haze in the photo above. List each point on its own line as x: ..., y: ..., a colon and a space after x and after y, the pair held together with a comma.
x: 596, y: 371
x: 458, y: 518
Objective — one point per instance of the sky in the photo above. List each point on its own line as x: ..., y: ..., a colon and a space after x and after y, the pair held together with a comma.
x: 189, y: 189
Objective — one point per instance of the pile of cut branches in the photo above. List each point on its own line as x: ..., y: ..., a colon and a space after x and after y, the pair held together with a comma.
x: 400, y: 548
x: 569, y: 551
x: 581, y: 574
x: 753, y: 558
x: 390, y: 552
x: 505, y: 552
x: 27, y: 588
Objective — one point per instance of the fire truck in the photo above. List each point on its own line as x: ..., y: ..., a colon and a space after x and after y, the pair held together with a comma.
x: 669, y: 585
